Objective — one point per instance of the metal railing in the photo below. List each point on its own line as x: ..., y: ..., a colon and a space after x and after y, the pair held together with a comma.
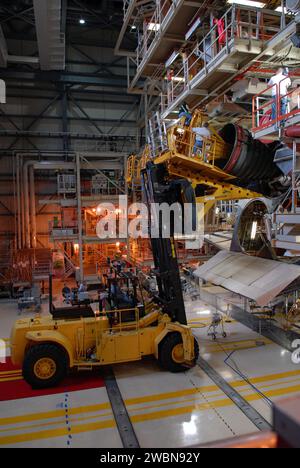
x: 267, y: 113
x: 152, y: 28
x: 117, y: 318
x: 126, y: 4
x: 238, y: 23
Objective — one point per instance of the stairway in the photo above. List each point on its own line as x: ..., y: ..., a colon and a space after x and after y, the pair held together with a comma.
x: 288, y: 233
x: 70, y: 267
x: 41, y: 264
x: 5, y: 261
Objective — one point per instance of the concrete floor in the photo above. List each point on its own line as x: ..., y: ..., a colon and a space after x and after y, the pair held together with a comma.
x: 166, y: 410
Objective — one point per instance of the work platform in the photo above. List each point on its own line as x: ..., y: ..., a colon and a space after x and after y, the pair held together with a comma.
x: 212, y: 67
x: 169, y: 28
x: 163, y: 26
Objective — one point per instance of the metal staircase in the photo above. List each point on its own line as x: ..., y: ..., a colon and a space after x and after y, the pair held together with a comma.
x: 5, y: 260
x: 41, y: 268
x: 288, y: 232
x: 70, y: 266
x: 288, y: 223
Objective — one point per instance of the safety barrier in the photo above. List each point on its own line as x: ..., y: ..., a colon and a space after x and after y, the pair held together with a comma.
x: 237, y: 23
x: 152, y: 27
x: 269, y: 113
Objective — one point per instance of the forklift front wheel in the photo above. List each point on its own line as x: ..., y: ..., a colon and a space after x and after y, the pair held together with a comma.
x: 171, y: 356
x: 45, y: 365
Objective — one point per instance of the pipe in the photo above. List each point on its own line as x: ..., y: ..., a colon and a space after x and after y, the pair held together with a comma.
x: 246, y: 158
x: 19, y: 219
x: 26, y: 204
x: 22, y: 204
x: 29, y: 205
x: 79, y: 217
x: 293, y: 131
x: 32, y: 207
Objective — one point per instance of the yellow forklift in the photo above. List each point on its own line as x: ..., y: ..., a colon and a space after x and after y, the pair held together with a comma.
x: 47, y: 348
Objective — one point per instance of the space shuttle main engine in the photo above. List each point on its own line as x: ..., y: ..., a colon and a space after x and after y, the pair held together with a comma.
x: 252, y: 162
x: 246, y: 159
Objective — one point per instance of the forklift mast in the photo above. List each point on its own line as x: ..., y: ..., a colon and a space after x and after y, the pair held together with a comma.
x: 158, y: 189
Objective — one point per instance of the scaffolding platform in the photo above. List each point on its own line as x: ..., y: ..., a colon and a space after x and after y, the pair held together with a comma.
x: 169, y: 26
x: 213, y: 66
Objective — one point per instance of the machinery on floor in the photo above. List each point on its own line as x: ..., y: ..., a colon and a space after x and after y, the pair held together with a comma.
x: 47, y: 348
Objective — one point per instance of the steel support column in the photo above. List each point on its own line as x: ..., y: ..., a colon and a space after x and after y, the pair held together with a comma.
x: 79, y: 216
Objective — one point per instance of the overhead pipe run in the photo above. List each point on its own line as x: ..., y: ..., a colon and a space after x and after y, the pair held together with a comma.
x: 32, y: 208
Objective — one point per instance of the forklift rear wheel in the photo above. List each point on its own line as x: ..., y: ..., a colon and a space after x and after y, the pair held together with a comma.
x: 45, y: 365
x: 171, y: 355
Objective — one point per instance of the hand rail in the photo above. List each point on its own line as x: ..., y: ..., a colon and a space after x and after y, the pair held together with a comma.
x: 259, y: 110
x: 213, y: 44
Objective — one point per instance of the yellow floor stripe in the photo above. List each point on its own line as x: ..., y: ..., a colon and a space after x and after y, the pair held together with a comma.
x: 197, y: 406
x: 11, y: 372
x: 11, y: 379
x: 145, y: 399
x: 140, y: 417
x: 144, y: 417
x: 51, y: 433
x: 61, y: 421
x: 53, y: 414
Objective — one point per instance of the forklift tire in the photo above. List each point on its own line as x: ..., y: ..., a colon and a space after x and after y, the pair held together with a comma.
x: 167, y: 355
x: 45, y: 365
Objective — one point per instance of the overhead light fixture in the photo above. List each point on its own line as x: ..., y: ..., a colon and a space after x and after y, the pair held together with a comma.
x: 172, y: 59
x: 82, y: 21
x: 153, y: 27
x: 133, y: 27
x: 248, y: 3
x: 193, y: 29
x: 254, y: 230
x: 279, y: 9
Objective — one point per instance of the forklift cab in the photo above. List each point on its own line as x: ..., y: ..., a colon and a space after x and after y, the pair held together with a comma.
x: 123, y: 295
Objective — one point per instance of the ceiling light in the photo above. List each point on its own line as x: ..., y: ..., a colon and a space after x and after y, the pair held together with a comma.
x: 247, y: 3
x: 193, y: 29
x: 153, y: 27
x: 82, y: 21
x: 172, y: 58
x: 279, y: 9
x: 133, y: 27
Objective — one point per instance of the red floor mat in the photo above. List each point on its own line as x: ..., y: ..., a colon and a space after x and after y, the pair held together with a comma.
x: 13, y: 387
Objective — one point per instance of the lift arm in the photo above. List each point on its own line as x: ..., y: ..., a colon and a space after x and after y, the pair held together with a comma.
x: 158, y: 189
